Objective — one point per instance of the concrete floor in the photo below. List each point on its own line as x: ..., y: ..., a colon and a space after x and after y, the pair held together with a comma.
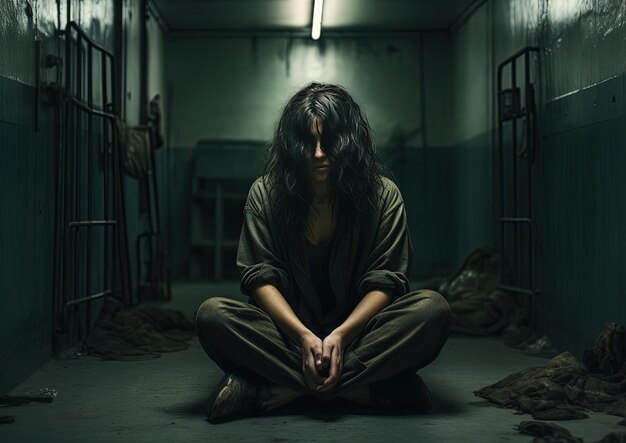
x: 162, y: 400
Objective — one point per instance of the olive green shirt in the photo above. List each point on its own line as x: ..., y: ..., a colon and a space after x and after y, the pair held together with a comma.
x: 377, y: 255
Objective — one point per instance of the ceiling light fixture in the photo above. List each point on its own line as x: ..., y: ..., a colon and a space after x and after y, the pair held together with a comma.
x: 316, y: 29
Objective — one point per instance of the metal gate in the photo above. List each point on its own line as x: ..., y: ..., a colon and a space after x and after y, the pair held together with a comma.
x: 91, y: 240
x: 517, y: 142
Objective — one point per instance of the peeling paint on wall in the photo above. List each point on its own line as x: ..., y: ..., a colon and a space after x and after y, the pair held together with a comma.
x: 583, y: 42
x: 24, y: 22
x: 16, y: 42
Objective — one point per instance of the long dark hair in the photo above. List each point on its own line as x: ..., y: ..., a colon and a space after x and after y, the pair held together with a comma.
x: 347, y: 141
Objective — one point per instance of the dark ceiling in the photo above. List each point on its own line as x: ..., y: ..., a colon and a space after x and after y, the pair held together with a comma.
x: 284, y: 15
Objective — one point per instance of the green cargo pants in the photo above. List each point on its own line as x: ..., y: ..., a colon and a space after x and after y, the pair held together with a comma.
x: 404, y: 336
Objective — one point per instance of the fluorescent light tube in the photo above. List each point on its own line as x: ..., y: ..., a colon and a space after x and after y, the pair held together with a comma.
x: 316, y: 29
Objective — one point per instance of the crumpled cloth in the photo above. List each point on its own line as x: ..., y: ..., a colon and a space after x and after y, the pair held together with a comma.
x: 608, y: 355
x: 565, y: 388
x: 614, y: 437
x: 136, y: 147
x: 140, y: 333
x: 545, y: 432
x: 478, y: 305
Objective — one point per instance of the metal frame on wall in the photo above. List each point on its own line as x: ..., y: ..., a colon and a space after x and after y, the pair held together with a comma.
x: 91, y: 245
x: 517, y: 143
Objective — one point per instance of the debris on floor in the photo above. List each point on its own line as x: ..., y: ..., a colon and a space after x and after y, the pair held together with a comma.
x: 546, y: 432
x: 44, y: 395
x: 614, y: 437
x: 565, y: 388
x: 528, y: 340
x: 7, y: 419
x: 478, y: 306
x: 139, y: 333
x: 481, y: 304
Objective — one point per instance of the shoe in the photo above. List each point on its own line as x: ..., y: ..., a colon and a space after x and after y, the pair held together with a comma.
x: 233, y: 396
x: 404, y: 391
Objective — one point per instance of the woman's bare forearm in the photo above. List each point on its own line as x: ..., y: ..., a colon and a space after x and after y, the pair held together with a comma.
x: 272, y: 301
x: 369, y: 306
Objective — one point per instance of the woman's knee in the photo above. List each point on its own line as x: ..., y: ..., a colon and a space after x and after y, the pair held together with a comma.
x: 432, y: 307
x: 439, y: 307
x: 211, y: 314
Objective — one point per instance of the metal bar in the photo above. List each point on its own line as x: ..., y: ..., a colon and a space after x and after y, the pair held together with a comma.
x: 117, y: 179
x: 118, y: 43
x: 89, y: 178
x: 83, y: 35
x: 219, y: 224
x: 88, y: 223
x: 64, y: 158
x: 139, y: 261
x: 150, y: 236
x: 75, y: 275
x: 501, y: 155
x: 88, y: 110
x: 121, y: 236
x: 143, y: 63
x: 515, y: 220
x: 530, y: 136
x: 516, y: 55
x: 104, y: 162
x: 514, y: 169
x: 516, y: 289
x: 77, y: 260
x: 88, y: 298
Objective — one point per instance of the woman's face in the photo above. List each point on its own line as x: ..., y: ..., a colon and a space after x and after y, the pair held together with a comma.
x: 319, y: 164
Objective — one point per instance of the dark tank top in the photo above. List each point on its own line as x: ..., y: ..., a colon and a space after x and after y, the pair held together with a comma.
x: 319, y: 264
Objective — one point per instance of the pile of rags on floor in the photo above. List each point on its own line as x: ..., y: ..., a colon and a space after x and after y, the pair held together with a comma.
x: 481, y: 304
x: 138, y: 333
x: 566, y: 388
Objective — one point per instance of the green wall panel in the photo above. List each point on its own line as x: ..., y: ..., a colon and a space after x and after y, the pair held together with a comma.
x: 475, y: 218
x: 581, y: 209
x: 26, y: 234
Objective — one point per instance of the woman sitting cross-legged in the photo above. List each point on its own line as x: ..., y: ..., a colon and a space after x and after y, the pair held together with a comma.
x: 324, y: 255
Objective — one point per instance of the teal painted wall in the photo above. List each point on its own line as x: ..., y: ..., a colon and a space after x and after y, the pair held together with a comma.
x: 472, y: 128
x: 580, y: 209
x: 26, y: 233
x: 174, y: 181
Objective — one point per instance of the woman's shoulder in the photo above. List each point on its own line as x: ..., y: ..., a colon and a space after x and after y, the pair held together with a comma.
x: 388, y: 195
x: 258, y: 195
x: 388, y: 186
x: 259, y: 186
